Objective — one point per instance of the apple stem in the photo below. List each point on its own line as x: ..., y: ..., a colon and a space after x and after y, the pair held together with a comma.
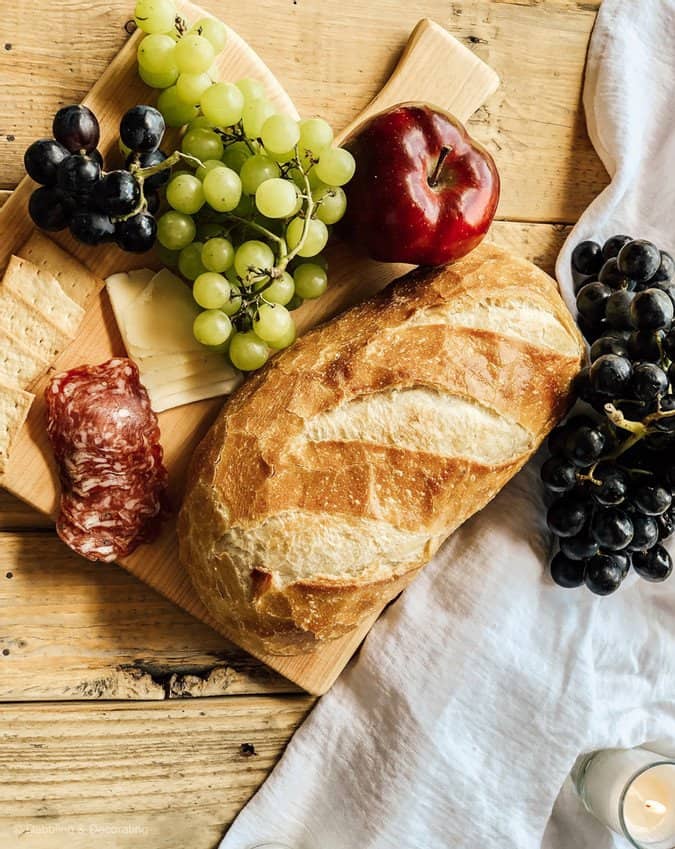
x: 433, y: 180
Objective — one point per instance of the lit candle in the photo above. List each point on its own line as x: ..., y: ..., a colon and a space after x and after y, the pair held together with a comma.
x: 633, y: 792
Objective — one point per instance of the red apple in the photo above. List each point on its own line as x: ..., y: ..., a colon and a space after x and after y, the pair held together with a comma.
x: 424, y: 191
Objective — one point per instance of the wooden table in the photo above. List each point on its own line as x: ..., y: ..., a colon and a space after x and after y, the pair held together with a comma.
x: 124, y: 722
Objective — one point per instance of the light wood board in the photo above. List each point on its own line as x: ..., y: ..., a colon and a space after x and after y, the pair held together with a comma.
x: 435, y: 67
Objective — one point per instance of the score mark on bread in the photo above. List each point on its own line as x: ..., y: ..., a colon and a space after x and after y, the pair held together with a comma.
x: 333, y: 475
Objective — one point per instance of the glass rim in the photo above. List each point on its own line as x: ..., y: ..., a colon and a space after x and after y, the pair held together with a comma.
x: 622, y: 798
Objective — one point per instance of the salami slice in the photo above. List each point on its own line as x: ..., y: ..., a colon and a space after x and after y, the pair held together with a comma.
x: 105, y: 438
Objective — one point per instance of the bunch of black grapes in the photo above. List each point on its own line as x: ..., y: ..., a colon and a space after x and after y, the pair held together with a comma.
x: 611, y: 473
x: 75, y: 192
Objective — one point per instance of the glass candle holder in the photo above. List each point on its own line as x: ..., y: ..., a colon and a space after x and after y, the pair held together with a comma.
x: 631, y: 791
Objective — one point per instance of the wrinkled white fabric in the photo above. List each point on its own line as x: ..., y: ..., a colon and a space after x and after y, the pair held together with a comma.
x: 457, y: 725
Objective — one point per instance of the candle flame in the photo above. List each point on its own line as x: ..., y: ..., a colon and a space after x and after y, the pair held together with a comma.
x: 656, y: 807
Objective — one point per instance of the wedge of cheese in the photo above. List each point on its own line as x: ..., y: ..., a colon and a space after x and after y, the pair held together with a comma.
x: 155, y: 313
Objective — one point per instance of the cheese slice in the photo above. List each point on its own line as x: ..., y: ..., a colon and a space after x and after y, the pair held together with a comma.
x: 159, y: 320
x: 124, y: 287
x: 214, y: 373
x: 167, y: 400
x: 209, y: 364
x: 155, y: 314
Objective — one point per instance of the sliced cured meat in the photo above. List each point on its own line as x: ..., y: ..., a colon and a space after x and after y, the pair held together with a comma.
x: 105, y: 438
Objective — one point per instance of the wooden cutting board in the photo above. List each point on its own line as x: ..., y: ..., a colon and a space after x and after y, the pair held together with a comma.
x: 435, y: 68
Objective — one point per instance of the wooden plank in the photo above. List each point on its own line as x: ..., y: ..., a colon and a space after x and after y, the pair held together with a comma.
x: 128, y: 775
x: 31, y: 473
x: 71, y: 629
x: 549, y: 170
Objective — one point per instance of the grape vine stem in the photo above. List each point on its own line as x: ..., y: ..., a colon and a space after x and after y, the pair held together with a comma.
x: 142, y: 174
x: 637, y: 430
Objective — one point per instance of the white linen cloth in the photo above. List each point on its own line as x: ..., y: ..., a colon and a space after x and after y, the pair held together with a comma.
x: 473, y: 695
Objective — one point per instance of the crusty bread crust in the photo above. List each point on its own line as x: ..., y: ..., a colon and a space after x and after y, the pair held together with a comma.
x: 333, y: 475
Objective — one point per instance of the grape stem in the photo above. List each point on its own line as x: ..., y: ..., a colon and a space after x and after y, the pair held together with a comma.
x: 637, y: 430
x: 259, y: 228
x: 141, y: 175
x: 308, y: 212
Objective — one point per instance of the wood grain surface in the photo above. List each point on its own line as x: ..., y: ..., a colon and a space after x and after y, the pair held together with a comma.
x: 332, y: 57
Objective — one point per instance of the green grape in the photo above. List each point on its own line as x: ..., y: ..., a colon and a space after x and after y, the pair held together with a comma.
x: 294, y: 303
x: 332, y: 203
x: 209, y: 230
x: 315, y: 181
x: 190, y: 87
x: 286, y: 340
x: 299, y: 179
x: 175, y: 231
x: 315, y: 135
x: 194, y: 54
x: 211, y: 290
x: 335, y: 167
x: 311, y: 281
x: 276, y: 198
x: 253, y: 254
x: 235, y: 155
x: 274, y: 225
x: 212, y: 327
x: 245, y: 207
x: 185, y: 193
x: 206, y: 166
x: 233, y: 277
x: 280, y: 291
x: 190, y: 262
x: 213, y: 30
x: 280, y: 133
x: 167, y: 257
x: 232, y: 306
x: 282, y: 157
x: 162, y: 80
x: 202, y: 143
x: 156, y: 54
x: 222, y: 189
x: 155, y: 16
x: 272, y: 322
x: 256, y: 170
x: 251, y: 89
x: 248, y: 351
x: 199, y: 123
x: 223, y: 104
x: 315, y: 241
x: 174, y: 111
x: 255, y: 113
x: 298, y: 200
x: 217, y: 254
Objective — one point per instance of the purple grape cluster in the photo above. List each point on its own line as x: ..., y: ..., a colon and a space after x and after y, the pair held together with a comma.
x: 76, y: 193
x: 611, y: 474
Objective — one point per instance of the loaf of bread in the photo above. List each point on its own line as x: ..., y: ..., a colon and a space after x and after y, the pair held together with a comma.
x: 333, y: 475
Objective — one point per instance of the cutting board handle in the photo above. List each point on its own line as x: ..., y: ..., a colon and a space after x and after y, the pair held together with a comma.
x: 436, y: 68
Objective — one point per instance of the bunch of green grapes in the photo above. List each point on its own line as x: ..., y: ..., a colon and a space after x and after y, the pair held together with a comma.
x: 250, y: 212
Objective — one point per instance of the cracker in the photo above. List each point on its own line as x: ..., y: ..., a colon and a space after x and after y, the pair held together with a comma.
x: 39, y: 288
x: 14, y: 407
x: 23, y: 323
x: 76, y: 280
x: 19, y: 365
